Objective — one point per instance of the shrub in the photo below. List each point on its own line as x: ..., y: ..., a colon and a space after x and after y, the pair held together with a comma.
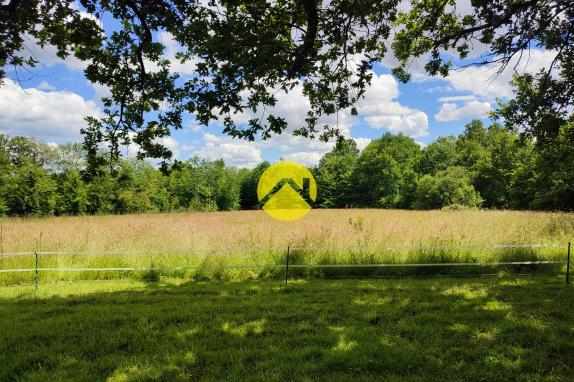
x: 448, y: 187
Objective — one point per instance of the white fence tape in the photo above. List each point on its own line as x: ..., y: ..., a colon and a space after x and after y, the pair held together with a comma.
x: 281, y: 266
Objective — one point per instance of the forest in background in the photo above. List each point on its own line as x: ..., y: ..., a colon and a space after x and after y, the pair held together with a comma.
x: 484, y: 167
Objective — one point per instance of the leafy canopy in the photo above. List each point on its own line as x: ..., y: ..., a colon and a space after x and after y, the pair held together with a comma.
x: 244, y: 52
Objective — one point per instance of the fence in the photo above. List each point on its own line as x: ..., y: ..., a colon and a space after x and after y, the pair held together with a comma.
x: 289, y: 257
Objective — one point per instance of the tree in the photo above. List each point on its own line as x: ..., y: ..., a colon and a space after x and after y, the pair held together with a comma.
x: 334, y: 175
x: 102, y: 194
x: 553, y: 185
x: 248, y: 187
x: 69, y: 157
x: 437, y: 156
x: 140, y: 188
x: 243, y: 52
x: 385, y: 176
x: 509, y: 29
x: 31, y: 191
x: 495, y: 171
x: 471, y: 145
x: 447, y: 187
x: 227, y: 192
x: 499, y: 163
x: 180, y: 186
x: 73, y: 196
x: 3, y: 207
x: 25, y: 151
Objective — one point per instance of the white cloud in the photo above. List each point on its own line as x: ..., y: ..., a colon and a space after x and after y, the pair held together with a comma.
x: 486, y: 83
x: 471, y: 109
x: 171, y: 144
x: 380, y: 109
x: 438, y: 89
x: 233, y: 152
x: 308, y: 159
x: 458, y: 98
x: 100, y: 91
x: 47, y: 56
x: 56, y: 115
x: 45, y: 86
x: 362, y: 142
x: 412, y: 124
x: 193, y: 126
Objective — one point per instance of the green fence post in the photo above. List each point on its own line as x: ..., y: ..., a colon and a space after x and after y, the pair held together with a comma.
x: 38, y: 241
x: 287, y: 266
x: 36, y: 268
x: 568, y: 266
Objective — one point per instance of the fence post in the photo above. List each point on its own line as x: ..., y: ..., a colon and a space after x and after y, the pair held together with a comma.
x: 568, y: 266
x: 36, y: 256
x: 287, y: 266
x: 36, y: 268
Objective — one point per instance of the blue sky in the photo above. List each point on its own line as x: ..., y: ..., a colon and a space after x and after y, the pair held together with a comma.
x: 50, y: 102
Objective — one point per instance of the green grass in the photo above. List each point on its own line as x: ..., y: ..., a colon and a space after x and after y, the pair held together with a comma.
x: 396, y: 330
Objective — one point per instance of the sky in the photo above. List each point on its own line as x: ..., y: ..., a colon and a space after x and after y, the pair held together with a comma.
x: 49, y: 103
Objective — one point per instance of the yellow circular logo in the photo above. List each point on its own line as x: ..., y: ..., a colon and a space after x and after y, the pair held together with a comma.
x: 286, y: 191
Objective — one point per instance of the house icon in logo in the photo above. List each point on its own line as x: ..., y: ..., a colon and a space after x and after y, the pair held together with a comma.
x: 287, y: 191
x: 302, y: 192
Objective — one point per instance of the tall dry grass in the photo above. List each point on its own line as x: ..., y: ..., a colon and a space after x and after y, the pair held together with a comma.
x: 251, y: 237
x: 177, y: 232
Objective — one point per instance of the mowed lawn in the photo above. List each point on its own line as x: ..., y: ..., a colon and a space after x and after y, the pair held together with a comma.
x: 396, y: 330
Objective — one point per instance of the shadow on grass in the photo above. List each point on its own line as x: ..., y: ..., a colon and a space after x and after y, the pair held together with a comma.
x: 494, y: 329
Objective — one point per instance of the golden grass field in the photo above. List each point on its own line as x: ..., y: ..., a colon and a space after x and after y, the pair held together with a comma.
x: 251, y: 237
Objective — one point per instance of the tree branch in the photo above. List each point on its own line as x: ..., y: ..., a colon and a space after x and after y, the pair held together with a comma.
x: 307, y: 48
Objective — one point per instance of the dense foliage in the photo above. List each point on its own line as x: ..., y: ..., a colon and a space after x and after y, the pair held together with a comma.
x: 488, y: 167
x: 244, y: 52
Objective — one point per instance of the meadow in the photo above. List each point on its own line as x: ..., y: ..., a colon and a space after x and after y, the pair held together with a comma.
x: 245, y: 324
x: 214, y: 240
x: 393, y: 330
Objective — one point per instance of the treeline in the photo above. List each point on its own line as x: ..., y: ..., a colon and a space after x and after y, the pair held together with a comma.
x: 485, y: 167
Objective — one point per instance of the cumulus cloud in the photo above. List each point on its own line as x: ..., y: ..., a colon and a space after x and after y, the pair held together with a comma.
x: 233, y: 152
x: 362, y: 142
x: 100, y: 91
x: 308, y: 159
x: 458, y: 98
x: 471, y: 109
x: 411, y: 124
x: 380, y: 109
x: 486, y: 83
x: 171, y: 144
x: 438, y: 89
x: 48, y: 56
x: 45, y: 86
x: 52, y: 116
